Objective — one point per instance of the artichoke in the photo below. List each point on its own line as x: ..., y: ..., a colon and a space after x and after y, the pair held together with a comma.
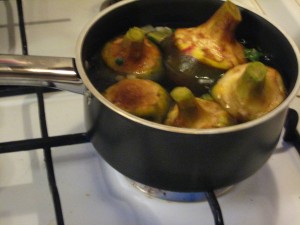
x: 133, y: 55
x: 196, y: 57
x: 143, y: 98
x: 249, y: 91
x: 213, y: 42
x: 192, y: 112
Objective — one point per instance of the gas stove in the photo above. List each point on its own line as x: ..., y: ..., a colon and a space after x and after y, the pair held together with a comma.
x: 70, y: 183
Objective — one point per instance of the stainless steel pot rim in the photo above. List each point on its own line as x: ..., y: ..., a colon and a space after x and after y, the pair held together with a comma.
x: 80, y: 67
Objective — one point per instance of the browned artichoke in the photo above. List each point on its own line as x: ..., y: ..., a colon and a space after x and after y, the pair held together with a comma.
x: 192, y: 112
x: 249, y: 91
x: 195, y: 57
x: 143, y: 98
x: 133, y: 55
x: 213, y: 42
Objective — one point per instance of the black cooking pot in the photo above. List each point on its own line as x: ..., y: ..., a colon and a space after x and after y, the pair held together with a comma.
x: 171, y: 158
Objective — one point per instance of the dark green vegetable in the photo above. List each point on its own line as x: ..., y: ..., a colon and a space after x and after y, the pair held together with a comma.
x: 253, y: 54
x: 159, y: 34
x: 119, y: 61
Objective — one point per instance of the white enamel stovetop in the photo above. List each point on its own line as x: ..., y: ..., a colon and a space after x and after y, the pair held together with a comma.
x: 91, y: 192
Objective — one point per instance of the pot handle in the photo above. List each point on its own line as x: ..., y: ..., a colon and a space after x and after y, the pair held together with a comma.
x: 42, y: 71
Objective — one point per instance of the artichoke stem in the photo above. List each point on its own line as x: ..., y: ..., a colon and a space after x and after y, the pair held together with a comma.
x: 185, y: 100
x: 252, y: 80
x: 224, y: 20
x: 133, y: 42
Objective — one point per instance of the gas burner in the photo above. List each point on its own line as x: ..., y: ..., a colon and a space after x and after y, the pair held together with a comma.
x: 177, y: 196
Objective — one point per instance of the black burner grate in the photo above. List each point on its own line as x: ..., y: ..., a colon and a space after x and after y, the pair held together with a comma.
x: 6, y: 91
x: 291, y: 133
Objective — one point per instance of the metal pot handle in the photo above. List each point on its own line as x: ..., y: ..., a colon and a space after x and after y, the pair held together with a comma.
x: 43, y: 71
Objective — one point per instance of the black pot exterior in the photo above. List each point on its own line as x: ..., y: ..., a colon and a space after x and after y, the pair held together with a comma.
x: 182, y: 161
x: 176, y: 161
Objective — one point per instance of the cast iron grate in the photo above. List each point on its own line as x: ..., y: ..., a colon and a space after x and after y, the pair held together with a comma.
x: 291, y: 134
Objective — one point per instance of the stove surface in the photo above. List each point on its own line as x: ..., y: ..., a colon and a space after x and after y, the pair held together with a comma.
x: 91, y: 191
